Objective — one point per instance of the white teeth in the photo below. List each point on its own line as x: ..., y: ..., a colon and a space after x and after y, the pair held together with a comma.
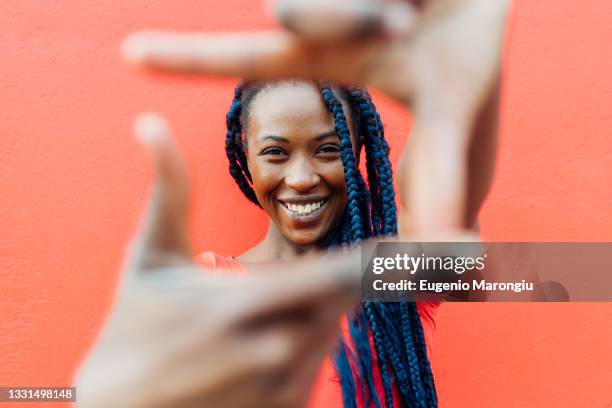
x: 306, y: 209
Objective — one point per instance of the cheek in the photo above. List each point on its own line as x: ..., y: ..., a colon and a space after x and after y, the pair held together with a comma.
x: 334, y: 175
x: 265, y: 178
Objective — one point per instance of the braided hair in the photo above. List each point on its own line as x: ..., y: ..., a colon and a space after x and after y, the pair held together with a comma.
x: 371, y: 212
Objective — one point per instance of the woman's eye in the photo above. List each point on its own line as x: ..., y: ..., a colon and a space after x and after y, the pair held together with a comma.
x: 272, y: 151
x: 329, y: 148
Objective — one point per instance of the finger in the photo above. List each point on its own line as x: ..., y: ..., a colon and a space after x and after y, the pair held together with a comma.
x: 324, y: 20
x: 249, y: 55
x: 313, y: 346
x: 321, y: 345
x: 299, y: 288
x: 163, y: 237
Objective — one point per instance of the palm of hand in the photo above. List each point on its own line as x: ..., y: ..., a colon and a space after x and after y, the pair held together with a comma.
x: 446, y: 65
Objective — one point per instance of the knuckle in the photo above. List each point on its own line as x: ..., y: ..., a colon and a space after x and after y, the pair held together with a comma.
x: 291, y: 395
x: 280, y: 350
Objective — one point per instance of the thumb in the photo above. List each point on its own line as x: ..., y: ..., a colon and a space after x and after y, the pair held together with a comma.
x: 324, y: 20
x: 163, y: 236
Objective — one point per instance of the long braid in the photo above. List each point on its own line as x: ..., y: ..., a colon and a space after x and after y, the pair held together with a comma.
x: 421, y: 348
x: 380, y: 164
x: 406, y: 312
x: 386, y: 172
x: 357, y: 231
x: 415, y: 356
x: 235, y: 150
x: 348, y: 161
x: 371, y: 211
x: 398, y: 362
x: 381, y: 351
x: 346, y: 374
x: 394, y: 348
x: 366, y: 128
x: 411, y: 329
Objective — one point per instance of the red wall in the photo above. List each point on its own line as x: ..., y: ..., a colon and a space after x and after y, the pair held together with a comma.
x: 72, y: 182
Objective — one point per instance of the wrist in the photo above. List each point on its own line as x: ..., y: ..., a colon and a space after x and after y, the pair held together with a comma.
x: 101, y: 384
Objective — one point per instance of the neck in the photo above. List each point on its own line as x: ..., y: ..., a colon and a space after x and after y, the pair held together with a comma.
x: 275, y: 247
x: 279, y: 247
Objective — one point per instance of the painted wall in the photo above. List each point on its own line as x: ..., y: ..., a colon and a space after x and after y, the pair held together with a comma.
x: 72, y: 182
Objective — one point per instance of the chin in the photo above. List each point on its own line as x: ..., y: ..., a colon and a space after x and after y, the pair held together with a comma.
x: 304, y: 239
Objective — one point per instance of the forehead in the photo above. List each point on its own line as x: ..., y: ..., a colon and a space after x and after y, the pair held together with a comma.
x: 289, y: 108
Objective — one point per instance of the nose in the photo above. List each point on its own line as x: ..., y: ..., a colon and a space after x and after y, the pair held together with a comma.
x: 302, y: 175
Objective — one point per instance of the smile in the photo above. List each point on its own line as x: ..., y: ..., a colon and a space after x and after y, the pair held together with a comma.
x: 303, y: 209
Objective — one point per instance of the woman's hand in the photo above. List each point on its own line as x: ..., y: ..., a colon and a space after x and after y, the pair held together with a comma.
x: 442, y: 60
x: 450, y: 49
x: 181, y: 337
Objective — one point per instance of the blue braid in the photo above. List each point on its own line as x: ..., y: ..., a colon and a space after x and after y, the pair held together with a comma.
x: 348, y: 161
x: 386, y: 174
x: 358, y: 327
x: 393, y: 345
x: 371, y: 165
x: 380, y: 174
x: 398, y: 345
x: 421, y: 348
x: 365, y: 207
x: 353, y: 232
x: 381, y: 351
x: 235, y: 150
x: 377, y: 150
x: 346, y: 374
x: 371, y: 211
x: 357, y: 230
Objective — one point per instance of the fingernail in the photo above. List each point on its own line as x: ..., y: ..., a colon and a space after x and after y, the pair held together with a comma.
x: 151, y: 127
x: 134, y: 48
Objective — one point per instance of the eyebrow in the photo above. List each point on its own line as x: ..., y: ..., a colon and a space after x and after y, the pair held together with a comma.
x: 281, y: 139
x: 326, y: 135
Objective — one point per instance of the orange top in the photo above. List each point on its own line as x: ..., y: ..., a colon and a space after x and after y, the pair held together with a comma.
x: 326, y: 391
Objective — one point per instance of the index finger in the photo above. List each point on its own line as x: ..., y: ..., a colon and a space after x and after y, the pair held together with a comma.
x: 284, y: 288
x: 261, y: 55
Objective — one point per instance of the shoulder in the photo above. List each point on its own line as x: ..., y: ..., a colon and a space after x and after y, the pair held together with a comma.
x: 215, y: 262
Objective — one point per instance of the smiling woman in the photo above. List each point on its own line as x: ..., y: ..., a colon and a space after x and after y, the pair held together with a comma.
x: 293, y: 155
x: 294, y: 149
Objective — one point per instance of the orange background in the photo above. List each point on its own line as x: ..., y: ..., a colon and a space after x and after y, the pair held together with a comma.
x: 73, y: 179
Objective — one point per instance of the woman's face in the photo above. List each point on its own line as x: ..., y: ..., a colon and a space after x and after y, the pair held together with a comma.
x: 293, y: 155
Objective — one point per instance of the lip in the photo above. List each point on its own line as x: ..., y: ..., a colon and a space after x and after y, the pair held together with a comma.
x: 305, y: 219
x: 303, y: 199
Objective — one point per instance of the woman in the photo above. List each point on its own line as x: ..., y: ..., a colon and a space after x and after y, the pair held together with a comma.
x: 294, y: 150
